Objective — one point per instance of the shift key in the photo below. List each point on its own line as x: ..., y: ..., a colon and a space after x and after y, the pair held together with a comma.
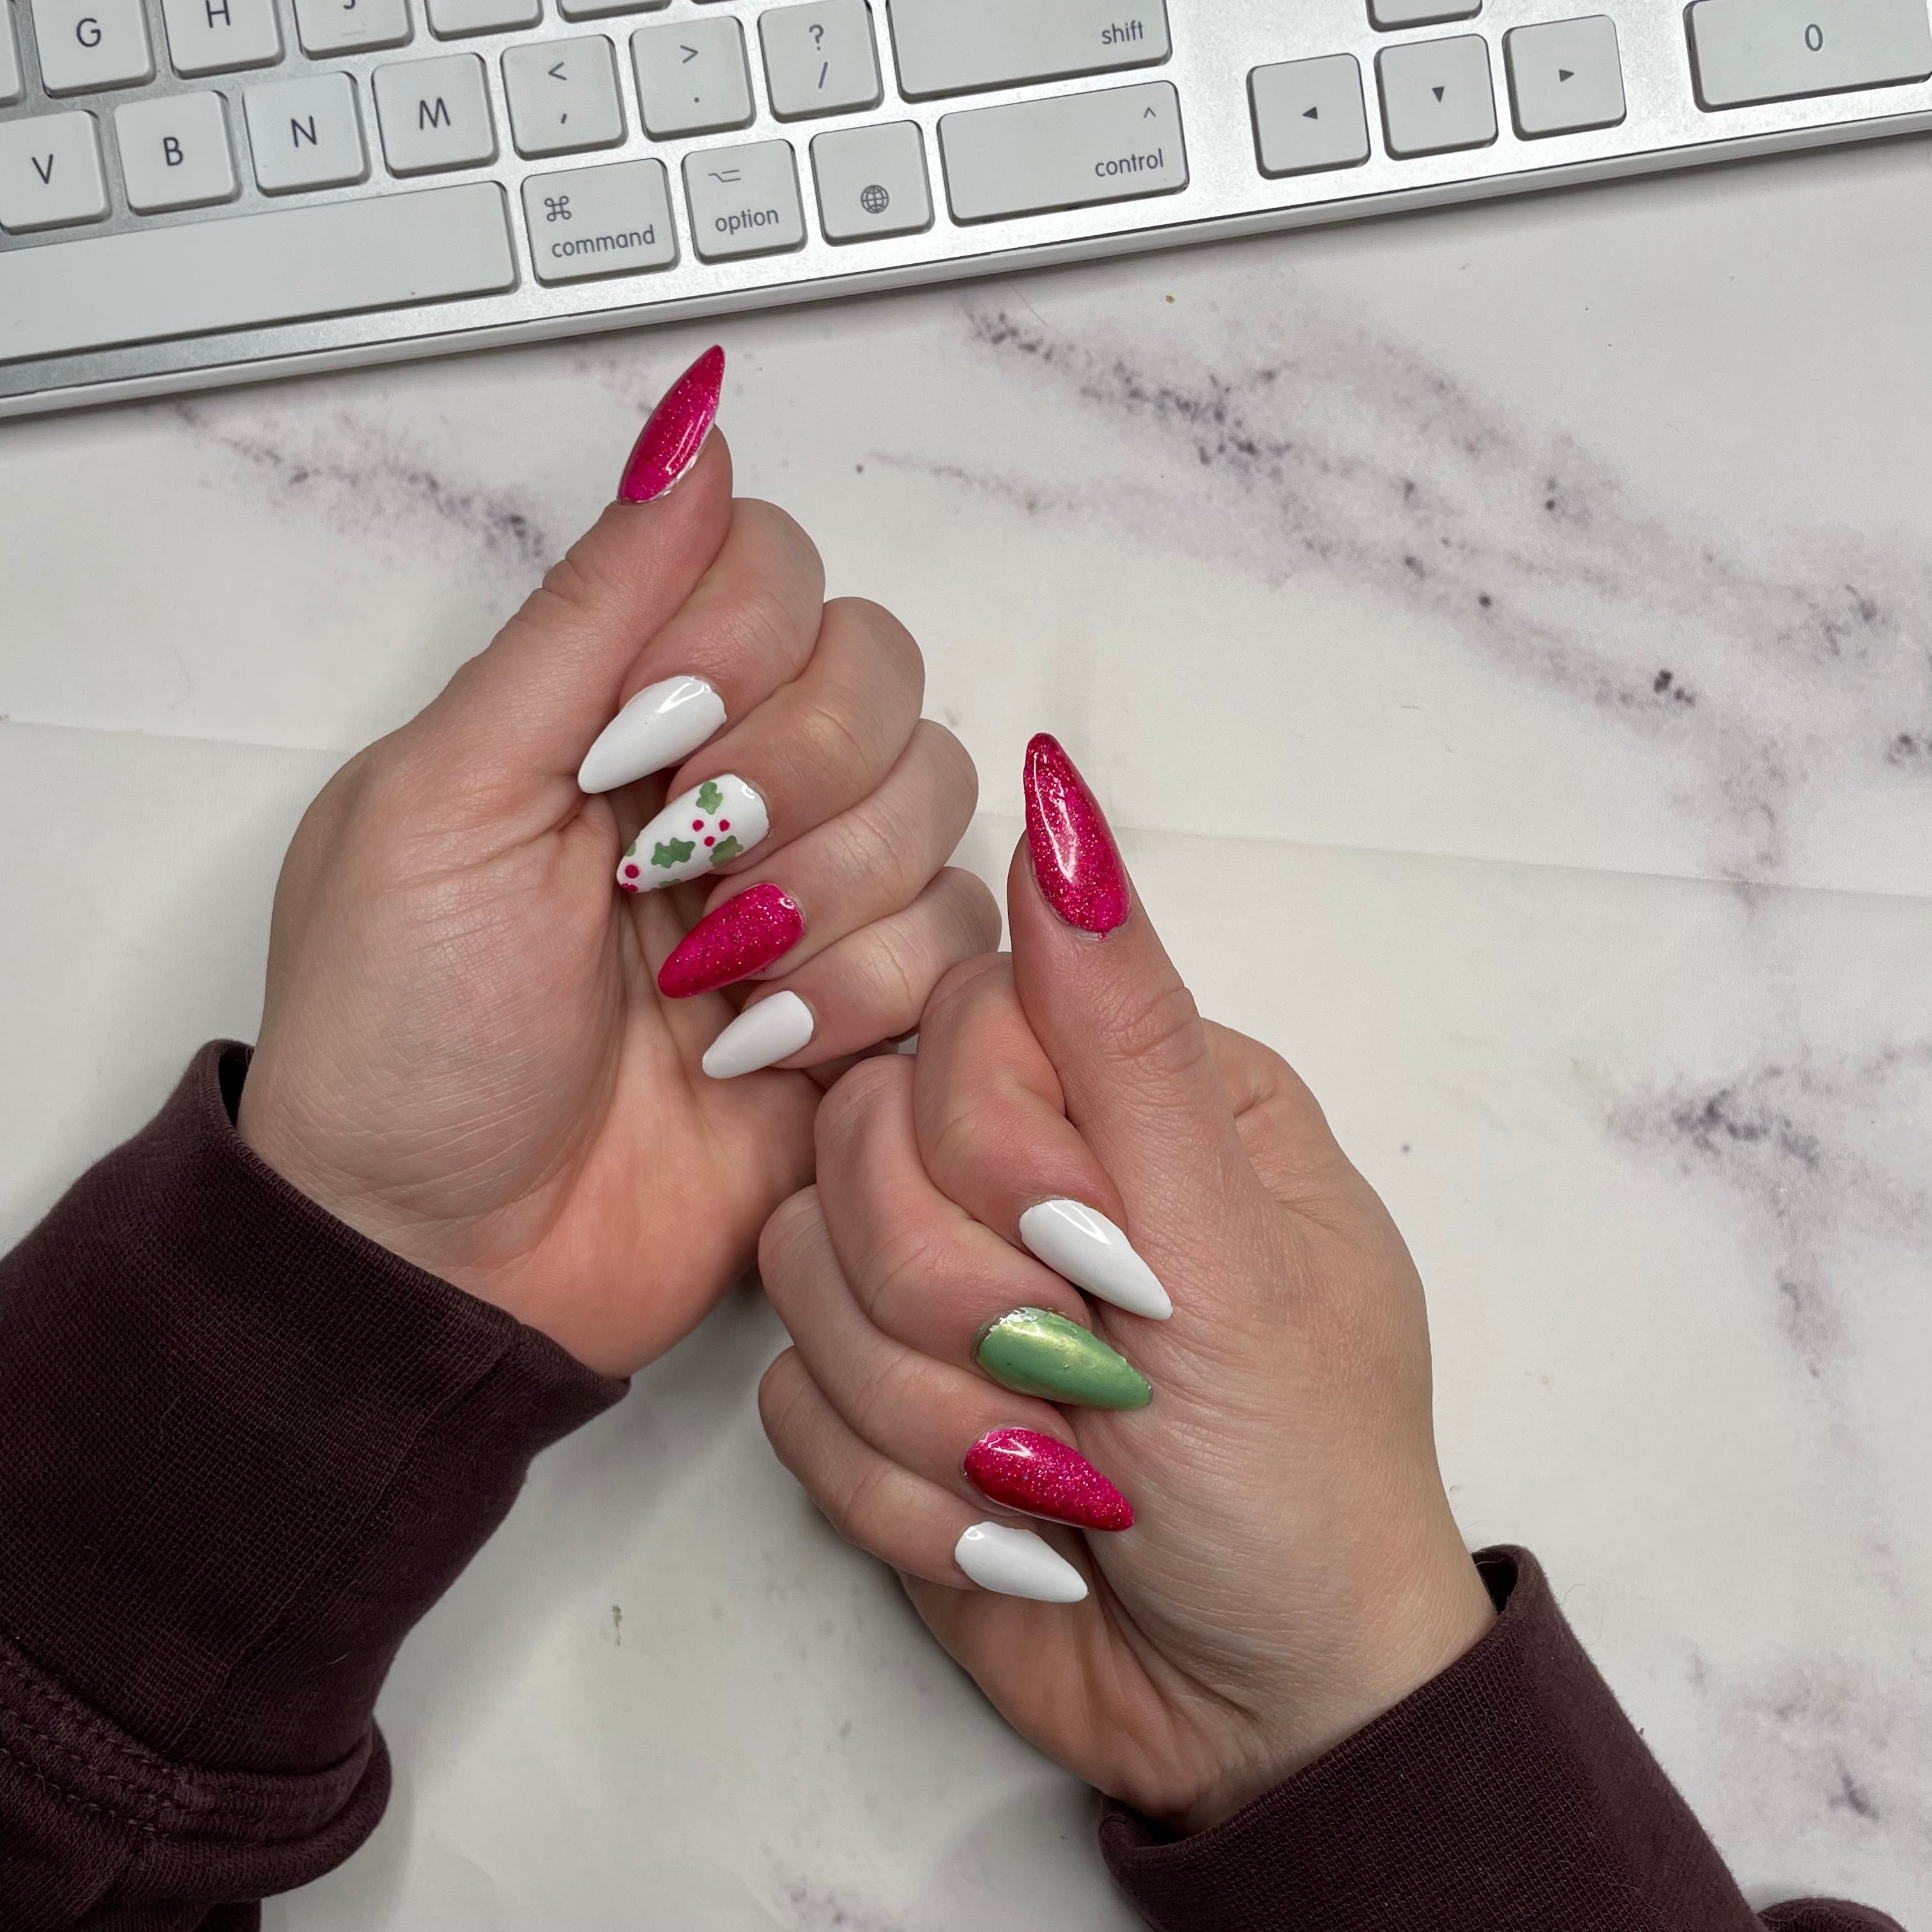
x: 1065, y: 152
x: 953, y: 46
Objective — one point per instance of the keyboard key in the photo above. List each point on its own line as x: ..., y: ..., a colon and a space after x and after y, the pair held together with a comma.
x: 305, y: 133
x: 331, y: 258
x: 86, y: 43
x: 613, y: 220
x: 49, y: 175
x: 449, y: 20
x: 175, y: 152
x: 953, y: 46
x: 1564, y: 76
x: 1420, y: 13
x: 1308, y: 115
x: 871, y: 182
x: 434, y: 114
x: 1749, y: 50
x: 563, y: 96
x: 10, y: 84
x: 820, y: 59
x: 744, y: 201
x: 220, y: 36
x: 592, y: 10
x: 348, y: 26
x: 691, y: 77
x: 1064, y: 152
x: 1436, y: 95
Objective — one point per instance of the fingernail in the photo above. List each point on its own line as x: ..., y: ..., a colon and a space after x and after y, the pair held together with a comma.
x: 1034, y: 1351
x: 668, y: 445
x: 760, y: 924
x: 1074, y: 857
x: 1016, y: 1563
x: 1038, y: 1476
x: 760, y: 1035
x: 662, y: 725
x: 1092, y: 1253
x: 710, y: 825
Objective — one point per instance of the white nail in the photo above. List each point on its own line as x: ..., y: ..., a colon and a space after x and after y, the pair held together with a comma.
x: 662, y: 725
x: 759, y: 1036
x: 710, y: 825
x: 1016, y: 1563
x: 1092, y: 1253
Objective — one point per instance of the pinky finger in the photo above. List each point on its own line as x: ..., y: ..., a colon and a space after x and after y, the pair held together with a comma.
x: 915, y: 1526
x: 871, y: 986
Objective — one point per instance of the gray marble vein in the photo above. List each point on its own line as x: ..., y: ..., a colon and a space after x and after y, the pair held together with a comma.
x: 1761, y: 668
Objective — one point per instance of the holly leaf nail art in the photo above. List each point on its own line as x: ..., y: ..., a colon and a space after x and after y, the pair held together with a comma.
x: 726, y: 849
x: 709, y: 798
x: 672, y: 852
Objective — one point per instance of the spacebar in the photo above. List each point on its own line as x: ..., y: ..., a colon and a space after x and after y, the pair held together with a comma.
x: 330, y: 259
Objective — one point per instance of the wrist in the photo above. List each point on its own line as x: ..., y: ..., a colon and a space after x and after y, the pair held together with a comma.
x: 1427, y: 1622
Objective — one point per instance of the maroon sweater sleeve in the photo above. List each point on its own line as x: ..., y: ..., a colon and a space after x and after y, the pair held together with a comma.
x: 1510, y: 1794
x: 242, y: 1450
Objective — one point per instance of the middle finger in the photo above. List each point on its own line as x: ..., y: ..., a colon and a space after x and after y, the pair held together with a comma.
x: 811, y: 751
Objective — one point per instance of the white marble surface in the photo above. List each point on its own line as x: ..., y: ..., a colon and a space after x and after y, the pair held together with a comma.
x: 1350, y: 566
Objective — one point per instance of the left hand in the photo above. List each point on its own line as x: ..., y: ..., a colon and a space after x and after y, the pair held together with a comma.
x: 465, y: 1053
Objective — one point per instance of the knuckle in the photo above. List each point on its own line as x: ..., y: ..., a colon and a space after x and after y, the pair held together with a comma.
x: 794, y: 1223
x: 855, y: 1103
x: 1158, y: 1032
x: 779, y: 1389
x: 786, y: 540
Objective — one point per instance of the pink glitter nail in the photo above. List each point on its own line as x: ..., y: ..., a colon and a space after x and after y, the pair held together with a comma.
x: 1037, y: 1475
x: 669, y: 443
x: 1074, y: 856
x: 745, y: 933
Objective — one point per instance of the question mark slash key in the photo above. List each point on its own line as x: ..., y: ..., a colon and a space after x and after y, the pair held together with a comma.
x: 819, y: 58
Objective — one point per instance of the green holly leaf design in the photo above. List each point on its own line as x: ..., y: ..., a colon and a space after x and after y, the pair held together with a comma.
x: 709, y: 798
x: 725, y: 850
x: 672, y: 852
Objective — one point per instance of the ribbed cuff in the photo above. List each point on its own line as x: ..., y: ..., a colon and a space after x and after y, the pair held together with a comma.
x: 1510, y: 1794
x: 242, y: 1448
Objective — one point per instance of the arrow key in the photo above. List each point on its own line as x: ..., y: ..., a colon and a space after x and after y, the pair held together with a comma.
x: 563, y: 96
x: 1565, y: 77
x: 1308, y: 115
x: 1436, y: 95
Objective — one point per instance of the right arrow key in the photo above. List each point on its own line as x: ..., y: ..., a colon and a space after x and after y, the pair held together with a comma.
x: 1564, y: 77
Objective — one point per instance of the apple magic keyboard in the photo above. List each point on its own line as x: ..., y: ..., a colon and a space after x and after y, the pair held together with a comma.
x: 201, y: 191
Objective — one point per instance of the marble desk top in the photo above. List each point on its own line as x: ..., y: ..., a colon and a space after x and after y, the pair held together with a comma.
x: 1504, y: 638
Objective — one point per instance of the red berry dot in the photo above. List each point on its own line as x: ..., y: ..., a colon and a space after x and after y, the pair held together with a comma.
x: 711, y: 841
x: 724, y: 825
x: 697, y: 825
x: 630, y: 872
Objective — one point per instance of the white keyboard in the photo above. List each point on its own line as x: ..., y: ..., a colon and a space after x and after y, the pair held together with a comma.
x: 201, y: 191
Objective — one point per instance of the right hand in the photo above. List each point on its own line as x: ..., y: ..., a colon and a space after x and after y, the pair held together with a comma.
x: 1294, y: 1569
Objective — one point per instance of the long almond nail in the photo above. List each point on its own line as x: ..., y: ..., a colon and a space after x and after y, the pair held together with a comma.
x: 709, y: 826
x: 668, y: 443
x: 662, y: 725
x: 760, y: 924
x: 1016, y: 1563
x: 1034, y: 1351
x: 1038, y: 1476
x: 1086, y: 1247
x: 1074, y: 857
x: 772, y: 1031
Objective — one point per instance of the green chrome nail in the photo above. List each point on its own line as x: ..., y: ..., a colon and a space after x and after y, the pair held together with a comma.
x: 1034, y: 1351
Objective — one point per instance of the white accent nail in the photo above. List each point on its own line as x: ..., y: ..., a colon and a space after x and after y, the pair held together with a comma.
x: 759, y: 1036
x: 662, y: 725
x: 1016, y: 1563
x: 710, y: 825
x: 1092, y: 1253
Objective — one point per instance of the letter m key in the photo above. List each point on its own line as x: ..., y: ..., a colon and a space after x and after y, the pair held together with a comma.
x: 433, y: 116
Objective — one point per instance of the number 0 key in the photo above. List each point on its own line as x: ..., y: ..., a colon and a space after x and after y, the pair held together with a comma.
x: 1747, y: 51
